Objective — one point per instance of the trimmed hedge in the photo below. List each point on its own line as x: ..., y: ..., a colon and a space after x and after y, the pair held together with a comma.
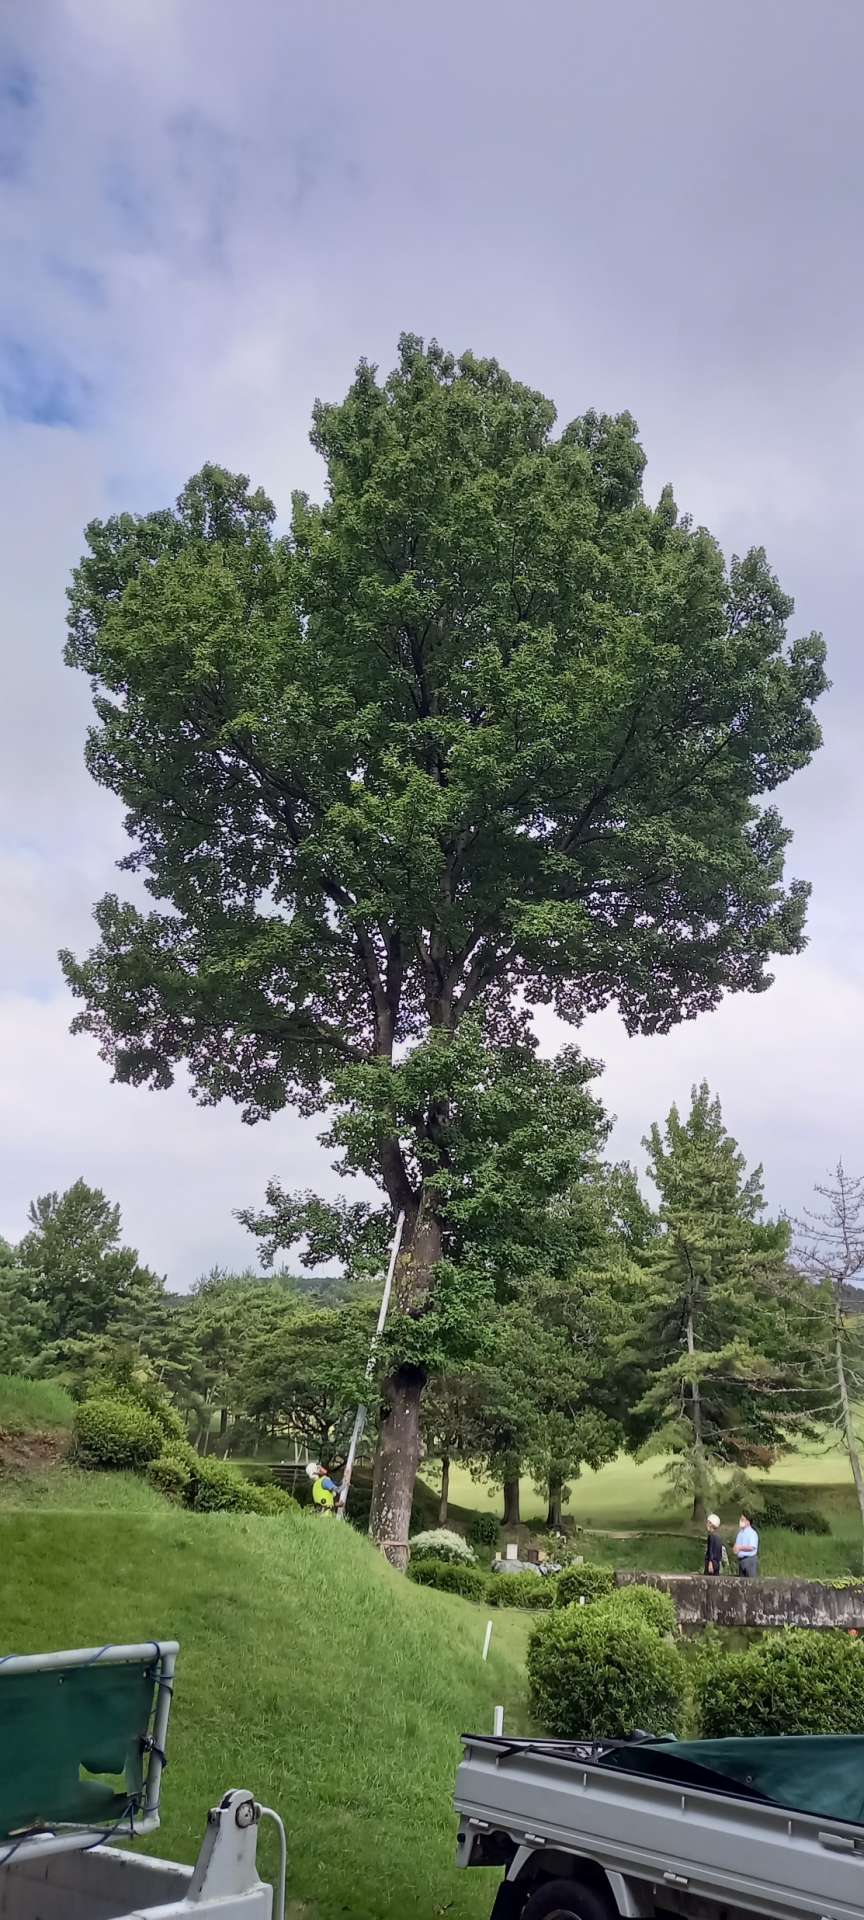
x: 807, y: 1520
x: 172, y: 1423
x: 169, y: 1474
x: 649, y: 1604
x: 440, y: 1543
x: 213, y: 1486
x: 794, y: 1681
x: 589, y: 1582
x: 530, y: 1590
x: 793, y: 1519
x: 116, y: 1433
x: 598, y: 1675
x: 450, y: 1577
x: 483, y: 1530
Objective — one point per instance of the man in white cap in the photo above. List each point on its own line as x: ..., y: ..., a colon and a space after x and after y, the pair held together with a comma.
x: 713, y: 1545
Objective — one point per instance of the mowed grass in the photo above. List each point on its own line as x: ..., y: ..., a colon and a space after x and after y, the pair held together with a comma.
x: 309, y: 1672
x: 69, y: 1489
x: 633, y: 1494
x: 33, y: 1406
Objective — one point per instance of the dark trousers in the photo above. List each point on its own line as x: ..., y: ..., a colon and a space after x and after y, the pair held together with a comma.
x: 749, y: 1569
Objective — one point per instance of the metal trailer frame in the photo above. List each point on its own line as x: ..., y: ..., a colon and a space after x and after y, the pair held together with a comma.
x: 543, y: 1810
x: 69, y: 1839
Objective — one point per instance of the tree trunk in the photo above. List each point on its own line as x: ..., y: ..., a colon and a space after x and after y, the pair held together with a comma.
x: 396, y: 1462
x: 849, y: 1433
x: 443, y: 1503
x: 700, y: 1469
x: 398, y: 1453
x: 511, y: 1500
x: 553, y: 1516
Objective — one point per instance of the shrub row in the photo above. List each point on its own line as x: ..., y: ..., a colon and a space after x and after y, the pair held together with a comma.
x: 795, y: 1520
x: 526, y: 1590
x: 797, y: 1680
x: 118, y: 1433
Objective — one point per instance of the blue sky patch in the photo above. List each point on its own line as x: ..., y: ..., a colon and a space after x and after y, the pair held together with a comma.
x: 17, y: 85
x: 87, y: 285
x: 39, y: 388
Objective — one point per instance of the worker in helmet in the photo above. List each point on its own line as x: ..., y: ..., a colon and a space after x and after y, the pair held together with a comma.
x: 325, y: 1491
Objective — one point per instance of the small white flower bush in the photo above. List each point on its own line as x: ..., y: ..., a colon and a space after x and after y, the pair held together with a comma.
x: 438, y: 1543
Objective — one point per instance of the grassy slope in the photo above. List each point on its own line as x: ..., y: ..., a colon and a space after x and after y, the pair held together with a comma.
x: 69, y: 1490
x: 29, y: 1406
x: 308, y: 1672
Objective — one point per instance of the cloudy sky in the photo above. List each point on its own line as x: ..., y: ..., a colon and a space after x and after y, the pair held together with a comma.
x: 208, y: 213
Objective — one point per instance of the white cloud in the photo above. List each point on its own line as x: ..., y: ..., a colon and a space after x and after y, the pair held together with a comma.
x: 787, y: 1064
x: 210, y: 224
x: 177, y: 1170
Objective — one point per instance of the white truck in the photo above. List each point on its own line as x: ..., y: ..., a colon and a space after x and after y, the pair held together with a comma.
x: 648, y: 1828
x: 82, y: 1751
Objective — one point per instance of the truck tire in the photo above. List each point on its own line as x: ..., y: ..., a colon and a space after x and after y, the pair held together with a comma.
x: 565, y: 1900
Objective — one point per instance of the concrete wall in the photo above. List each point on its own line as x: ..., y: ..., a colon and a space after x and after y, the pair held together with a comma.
x: 732, y: 1602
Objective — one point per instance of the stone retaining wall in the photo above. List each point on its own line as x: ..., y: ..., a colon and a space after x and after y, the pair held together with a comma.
x: 729, y: 1601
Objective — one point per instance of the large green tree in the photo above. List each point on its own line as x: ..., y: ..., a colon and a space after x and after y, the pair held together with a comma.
x: 484, y: 729
x: 719, y: 1323
x: 80, y: 1274
x: 23, y: 1317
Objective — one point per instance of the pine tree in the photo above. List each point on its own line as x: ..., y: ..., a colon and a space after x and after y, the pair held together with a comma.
x: 722, y: 1325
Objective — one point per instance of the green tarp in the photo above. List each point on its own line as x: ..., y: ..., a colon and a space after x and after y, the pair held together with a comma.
x: 57, y: 1727
x: 808, y: 1773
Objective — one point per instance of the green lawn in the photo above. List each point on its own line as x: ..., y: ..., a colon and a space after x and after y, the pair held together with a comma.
x: 28, y: 1406
x: 71, y: 1490
x: 633, y: 1494
x: 308, y: 1671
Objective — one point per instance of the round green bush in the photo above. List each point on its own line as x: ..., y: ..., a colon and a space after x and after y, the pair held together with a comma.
x: 773, y: 1514
x: 587, y: 1582
x: 170, y: 1420
x: 796, y: 1680
x: 594, y: 1676
x: 114, y: 1434
x: 169, y: 1475
x: 528, y: 1590
x: 216, y: 1487
x: 483, y: 1530
x: 269, y: 1499
x: 807, y: 1520
x: 450, y: 1577
x: 439, y: 1543
x: 650, y: 1604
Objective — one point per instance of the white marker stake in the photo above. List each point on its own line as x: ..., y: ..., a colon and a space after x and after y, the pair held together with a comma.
x: 488, y: 1640
x: 499, y: 1721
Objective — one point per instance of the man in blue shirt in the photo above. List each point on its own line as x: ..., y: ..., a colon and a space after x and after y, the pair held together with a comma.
x: 746, y: 1548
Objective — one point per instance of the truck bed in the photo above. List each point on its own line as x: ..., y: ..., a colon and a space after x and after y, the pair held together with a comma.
x: 662, y: 1844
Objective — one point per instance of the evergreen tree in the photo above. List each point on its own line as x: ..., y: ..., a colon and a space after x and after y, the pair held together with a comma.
x: 83, y: 1278
x: 720, y: 1312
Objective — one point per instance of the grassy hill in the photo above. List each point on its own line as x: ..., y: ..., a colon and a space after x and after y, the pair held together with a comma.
x: 27, y: 1406
x: 308, y: 1672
